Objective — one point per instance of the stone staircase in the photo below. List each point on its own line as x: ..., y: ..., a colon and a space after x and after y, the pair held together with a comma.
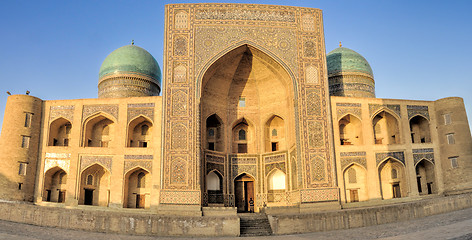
x: 254, y: 224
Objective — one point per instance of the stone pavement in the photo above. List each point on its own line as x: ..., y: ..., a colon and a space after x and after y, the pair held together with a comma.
x: 454, y: 225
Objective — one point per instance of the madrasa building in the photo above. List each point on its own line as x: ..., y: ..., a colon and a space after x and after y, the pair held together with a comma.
x: 253, y: 115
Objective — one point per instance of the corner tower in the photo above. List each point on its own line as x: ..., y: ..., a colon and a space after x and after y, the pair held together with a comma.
x: 129, y: 71
x: 349, y: 74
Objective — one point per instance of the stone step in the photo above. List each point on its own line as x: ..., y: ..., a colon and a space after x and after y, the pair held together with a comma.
x: 254, y: 225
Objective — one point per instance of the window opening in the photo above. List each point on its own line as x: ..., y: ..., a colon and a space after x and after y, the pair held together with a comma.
x: 447, y: 119
x: 25, y: 142
x: 454, y: 163
x: 242, y: 102
x: 22, y: 169
x: 450, y: 138
x: 89, y: 180
x: 242, y: 134
x: 28, y: 117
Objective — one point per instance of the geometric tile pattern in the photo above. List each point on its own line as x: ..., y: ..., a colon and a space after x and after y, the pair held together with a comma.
x: 397, y: 155
x: 414, y: 110
x: 319, y: 195
x: 375, y: 107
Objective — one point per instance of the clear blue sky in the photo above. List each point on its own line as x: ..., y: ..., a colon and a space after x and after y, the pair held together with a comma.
x: 417, y: 49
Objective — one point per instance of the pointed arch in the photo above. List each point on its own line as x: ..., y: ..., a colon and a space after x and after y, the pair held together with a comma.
x: 420, y: 129
x: 238, y: 45
x: 59, y: 132
x: 93, y: 127
x: 215, y: 133
x: 55, y: 180
x: 140, y: 132
x: 350, y: 130
x: 274, y: 131
x: 136, y: 189
x: 392, y: 177
x: 386, y: 127
x: 426, y: 177
x: 96, y: 193
x: 355, y: 183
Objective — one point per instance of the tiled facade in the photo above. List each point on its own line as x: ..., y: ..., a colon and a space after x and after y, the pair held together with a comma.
x: 250, y: 109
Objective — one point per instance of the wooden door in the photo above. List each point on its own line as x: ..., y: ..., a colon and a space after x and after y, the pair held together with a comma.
x: 396, y: 190
x: 140, y: 200
x: 239, y: 195
x: 249, y: 187
x: 62, y: 196
x: 354, y: 195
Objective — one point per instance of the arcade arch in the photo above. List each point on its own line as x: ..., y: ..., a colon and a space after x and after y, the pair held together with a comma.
x: 59, y: 132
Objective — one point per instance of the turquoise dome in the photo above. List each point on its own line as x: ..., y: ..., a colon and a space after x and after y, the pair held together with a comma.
x: 131, y: 59
x: 346, y: 60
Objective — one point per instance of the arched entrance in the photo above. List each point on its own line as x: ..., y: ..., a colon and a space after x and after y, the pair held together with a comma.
x: 137, y: 189
x: 54, y: 185
x: 94, y: 186
x: 425, y: 177
x: 392, y: 179
x: 244, y: 193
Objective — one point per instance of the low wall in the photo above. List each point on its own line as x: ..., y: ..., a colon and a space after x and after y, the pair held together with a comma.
x: 127, y: 222
x: 119, y: 222
x: 363, y: 217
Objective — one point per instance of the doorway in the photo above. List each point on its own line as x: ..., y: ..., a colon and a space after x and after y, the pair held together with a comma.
x: 62, y: 196
x: 354, y: 195
x: 244, y: 193
x: 88, y: 198
x: 140, y: 200
x: 396, y: 190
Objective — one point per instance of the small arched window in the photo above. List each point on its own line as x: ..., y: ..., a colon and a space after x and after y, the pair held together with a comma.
x: 394, y: 173
x: 211, y: 132
x: 352, y: 175
x: 90, y: 179
x: 274, y: 132
x: 144, y: 129
x: 141, y: 180
x: 242, y: 134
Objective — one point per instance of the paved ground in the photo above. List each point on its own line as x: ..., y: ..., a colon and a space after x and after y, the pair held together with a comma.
x: 455, y: 225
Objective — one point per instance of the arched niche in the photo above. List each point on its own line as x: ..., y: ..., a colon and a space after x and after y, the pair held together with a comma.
x: 392, y: 179
x: 275, y: 134
x: 59, y: 132
x: 276, y: 186
x: 350, y: 130
x: 55, y: 180
x: 386, y: 128
x: 248, y: 83
x: 137, y: 189
x: 215, y: 133
x: 244, y: 192
x: 419, y: 127
x: 94, y: 186
x: 140, y: 132
x: 425, y: 177
x: 214, y: 187
x: 98, y: 131
x: 355, y: 183
x: 242, y: 137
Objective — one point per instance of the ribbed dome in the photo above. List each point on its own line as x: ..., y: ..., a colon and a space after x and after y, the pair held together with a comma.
x: 346, y: 60
x: 133, y: 59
